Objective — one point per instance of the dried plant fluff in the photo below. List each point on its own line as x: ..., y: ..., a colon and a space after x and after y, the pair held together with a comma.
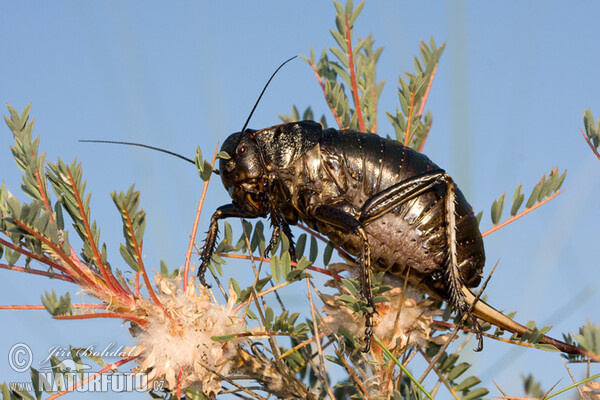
x: 403, y: 321
x: 179, y: 351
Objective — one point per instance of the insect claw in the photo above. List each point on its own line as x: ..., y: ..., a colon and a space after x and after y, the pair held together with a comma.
x: 367, y: 340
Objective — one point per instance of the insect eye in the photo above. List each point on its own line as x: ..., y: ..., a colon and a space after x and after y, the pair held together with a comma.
x: 241, y: 150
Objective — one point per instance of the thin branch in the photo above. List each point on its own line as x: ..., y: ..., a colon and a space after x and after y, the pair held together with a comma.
x: 352, y: 374
x: 41, y: 307
x: 337, y: 118
x: 456, y: 329
x: 409, y: 117
x: 261, y: 294
x: 109, y: 367
x: 84, y: 273
x: 521, y: 214
x: 106, y: 274
x: 589, y: 142
x: 232, y: 382
x: 43, y: 193
x: 140, y: 261
x: 300, y: 345
x: 424, y: 139
x: 47, y: 274
x: 129, y: 317
x: 267, y: 259
x: 374, y: 99
x: 357, y: 106
x: 318, y: 341
x: 440, y: 375
x: 427, y: 90
x: 188, y: 254
x: 42, y: 259
x: 581, y: 382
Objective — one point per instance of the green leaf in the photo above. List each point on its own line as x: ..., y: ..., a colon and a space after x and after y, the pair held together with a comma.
x: 458, y: 370
x: 327, y: 253
x: 497, y: 208
x: 475, y: 394
x: 518, y: 198
x: 300, y: 245
x: 286, y: 264
x: 467, y: 383
x: 314, y: 250
x: 275, y: 268
x: 223, y: 338
x: 223, y: 155
x: 546, y: 347
x: 269, y: 314
x: 235, y: 286
x: 534, y: 195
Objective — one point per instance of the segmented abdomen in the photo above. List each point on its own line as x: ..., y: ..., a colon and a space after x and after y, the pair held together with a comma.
x: 349, y: 167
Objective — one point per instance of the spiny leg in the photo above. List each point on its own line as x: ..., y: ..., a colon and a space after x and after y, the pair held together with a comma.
x: 225, y: 211
x: 336, y: 216
x: 457, y: 298
x: 366, y: 288
x: 279, y: 225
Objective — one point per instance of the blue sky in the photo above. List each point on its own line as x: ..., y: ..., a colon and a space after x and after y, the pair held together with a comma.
x: 507, y: 103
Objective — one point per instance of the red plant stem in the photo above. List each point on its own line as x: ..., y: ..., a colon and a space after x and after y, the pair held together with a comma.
x: 521, y: 214
x: 83, y: 273
x: 106, y: 274
x: 422, y: 108
x: 137, y: 283
x: 178, y: 384
x: 129, y: 317
x: 589, y: 142
x: 411, y: 107
x: 41, y: 307
x: 188, y: 254
x: 424, y: 140
x: 266, y: 260
x: 140, y: 261
x: 374, y: 97
x: 43, y: 260
x: 337, y: 118
x: 47, y: 274
x: 352, y: 373
x: 108, y: 368
x: 45, y: 200
x: 357, y: 107
x: 427, y: 90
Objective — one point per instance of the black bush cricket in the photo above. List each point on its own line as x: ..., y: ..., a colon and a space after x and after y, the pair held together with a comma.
x: 384, y: 203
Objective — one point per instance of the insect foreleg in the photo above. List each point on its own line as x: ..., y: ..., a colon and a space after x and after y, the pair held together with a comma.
x: 279, y: 225
x: 226, y: 211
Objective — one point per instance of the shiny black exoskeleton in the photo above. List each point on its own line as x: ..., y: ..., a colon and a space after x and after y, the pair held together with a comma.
x: 387, y: 204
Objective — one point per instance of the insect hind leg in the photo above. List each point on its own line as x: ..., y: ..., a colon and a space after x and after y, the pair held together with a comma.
x: 452, y: 273
x: 455, y: 283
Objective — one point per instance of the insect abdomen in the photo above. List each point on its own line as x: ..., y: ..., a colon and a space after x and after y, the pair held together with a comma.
x: 355, y: 166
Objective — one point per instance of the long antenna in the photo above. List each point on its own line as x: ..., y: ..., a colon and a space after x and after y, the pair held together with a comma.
x: 179, y: 155
x: 263, y: 92
x: 142, y: 145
